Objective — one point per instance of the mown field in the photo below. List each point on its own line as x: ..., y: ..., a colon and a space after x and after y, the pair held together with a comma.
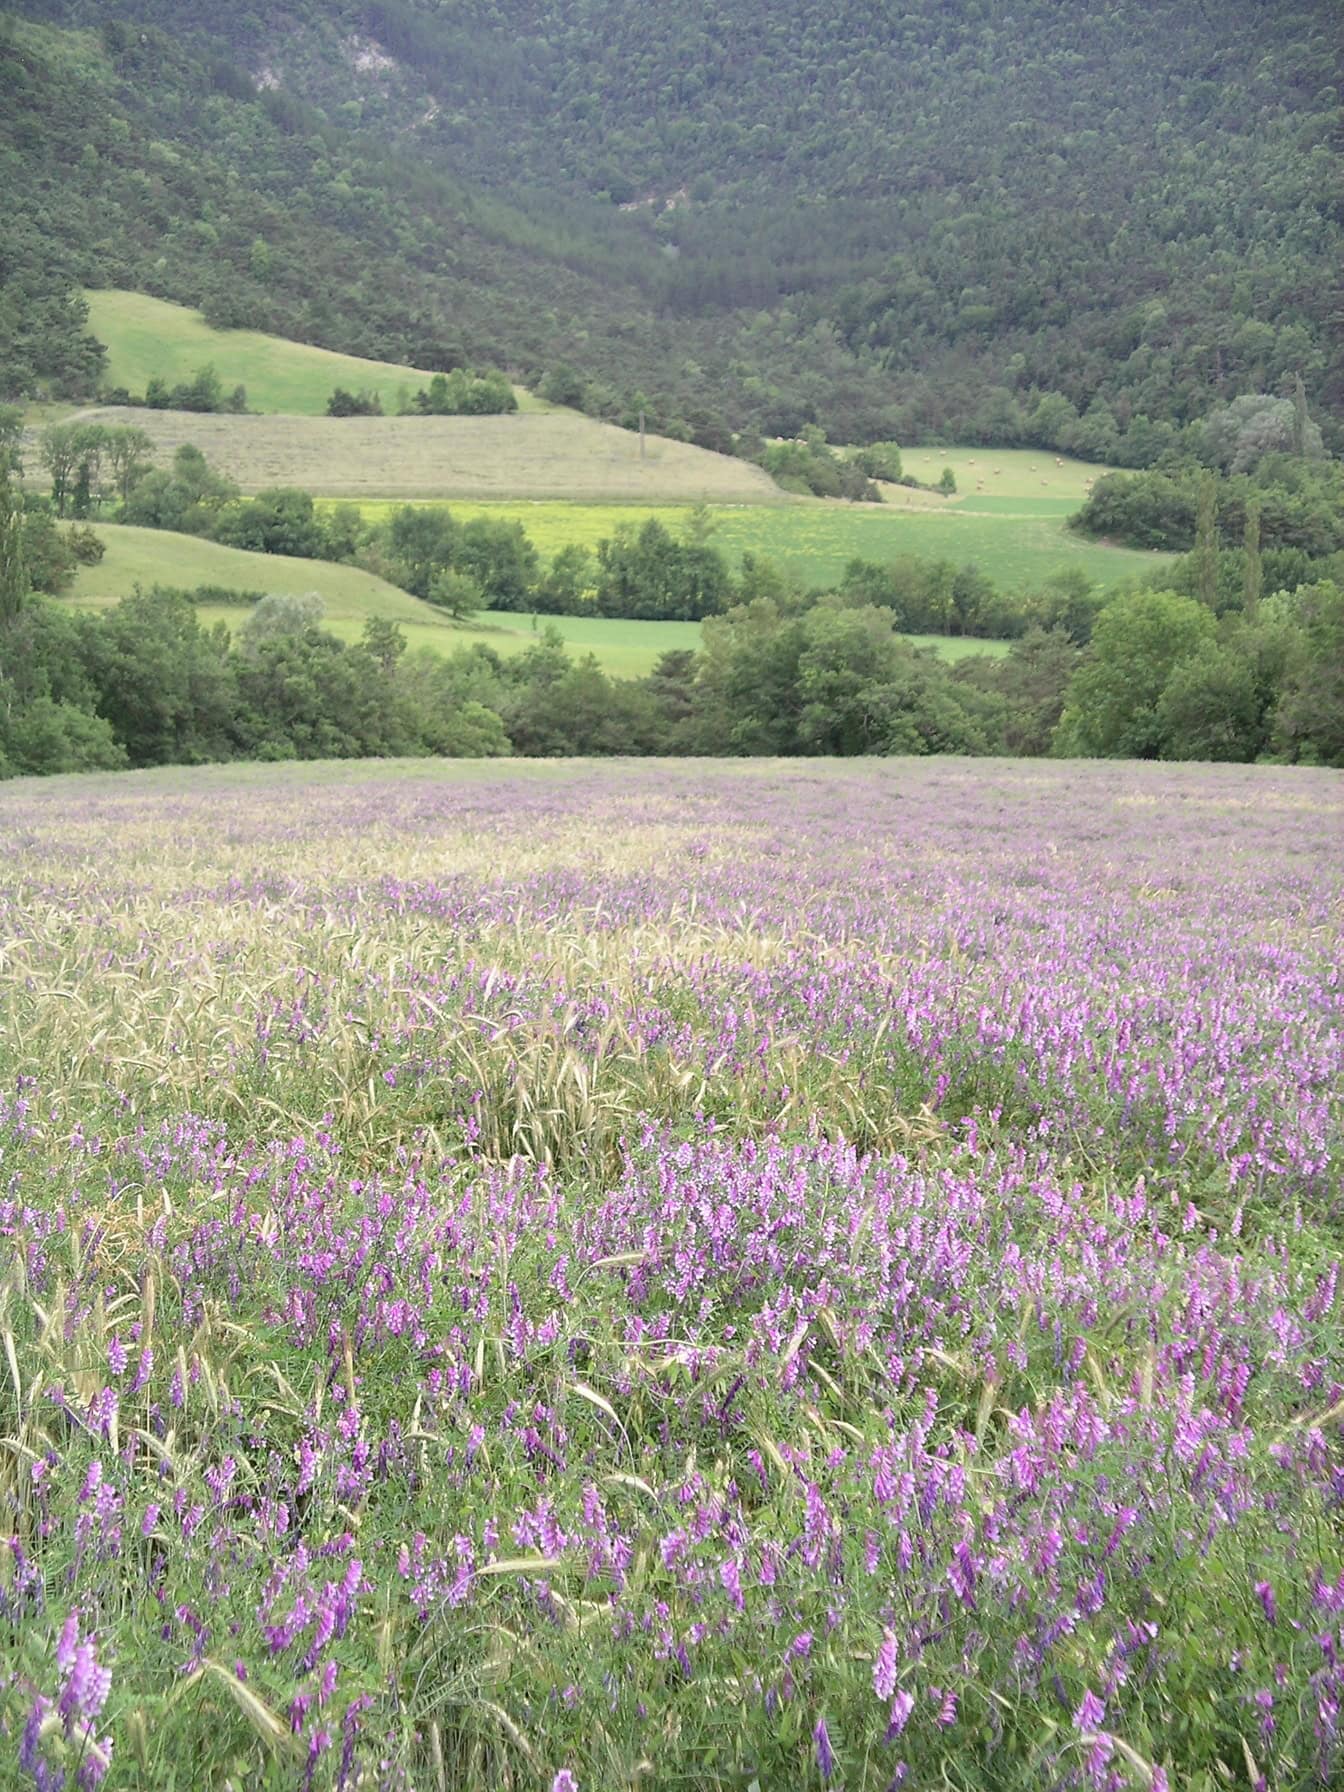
x: 814, y: 541
x: 713, y: 1275
x: 148, y: 338
x: 558, y: 454
x: 148, y: 557
x: 1035, y: 474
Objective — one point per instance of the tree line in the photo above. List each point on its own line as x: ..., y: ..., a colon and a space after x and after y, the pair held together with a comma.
x: 1149, y: 674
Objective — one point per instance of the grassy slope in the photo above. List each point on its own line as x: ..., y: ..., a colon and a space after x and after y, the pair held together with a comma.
x: 152, y: 556
x: 554, y: 455
x: 145, y: 337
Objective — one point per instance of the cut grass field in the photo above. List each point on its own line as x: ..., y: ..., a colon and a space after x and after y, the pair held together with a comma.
x: 1035, y: 473
x: 558, y: 454
x: 813, y: 541
x: 148, y: 557
x: 147, y: 338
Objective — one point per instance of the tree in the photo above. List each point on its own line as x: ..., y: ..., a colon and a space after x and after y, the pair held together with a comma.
x: 1209, y: 708
x: 11, y: 441
x: 1206, y: 542
x: 567, y: 586
x: 71, y: 453
x: 422, y: 540
x: 501, y: 560
x: 1111, y: 707
x: 456, y: 592
x: 1253, y: 575
x: 947, y: 482
x: 13, y: 571
x: 384, y: 641
x: 1238, y: 436
x: 1309, y: 721
x: 279, y: 613
x: 128, y: 452
x: 280, y: 521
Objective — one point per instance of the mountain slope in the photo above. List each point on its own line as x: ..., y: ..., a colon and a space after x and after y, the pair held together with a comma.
x: 914, y: 221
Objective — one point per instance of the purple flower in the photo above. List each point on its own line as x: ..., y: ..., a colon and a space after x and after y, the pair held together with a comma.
x: 901, y: 1707
x: 884, y: 1666
x: 1090, y: 1715
x: 564, y: 1781
x: 825, y: 1753
x: 1264, y: 1592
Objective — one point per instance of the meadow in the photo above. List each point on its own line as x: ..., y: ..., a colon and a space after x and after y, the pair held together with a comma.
x: 812, y: 541
x: 149, y: 338
x: 740, y: 1275
x: 148, y: 557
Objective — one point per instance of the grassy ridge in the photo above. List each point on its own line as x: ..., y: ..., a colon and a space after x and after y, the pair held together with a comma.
x: 147, y: 337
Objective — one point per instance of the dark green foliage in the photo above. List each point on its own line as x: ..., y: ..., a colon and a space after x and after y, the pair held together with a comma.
x: 569, y: 584
x: 499, y: 560
x: 941, y: 223
x: 934, y: 597
x: 463, y: 394
x: 1112, y: 708
x: 48, y: 555
x: 1301, y: 504
x: 282, y: 521
x: 203, y: 392
x: 354, y: 404
x: 164, y: 684
x: 421, y: 541
x: 810, y: 465
x: 1309, y: 717
x: 14, y: 585
x: 647, y: 573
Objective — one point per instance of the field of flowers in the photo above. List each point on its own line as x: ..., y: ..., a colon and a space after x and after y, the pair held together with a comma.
x: 719, y: 1276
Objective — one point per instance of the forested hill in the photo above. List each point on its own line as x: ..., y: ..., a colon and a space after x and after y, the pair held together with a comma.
x: 905, y: 220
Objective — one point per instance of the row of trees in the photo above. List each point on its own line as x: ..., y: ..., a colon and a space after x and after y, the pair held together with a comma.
x: 1299, y: 504
x: 1145, y: 674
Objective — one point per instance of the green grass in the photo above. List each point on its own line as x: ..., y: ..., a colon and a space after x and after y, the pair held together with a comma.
x: 148, y: 557
x: 1006, y: 472
x: 813, y: 541
x: 146, y: 337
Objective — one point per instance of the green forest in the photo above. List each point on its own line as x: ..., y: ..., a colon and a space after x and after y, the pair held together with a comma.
x: 1061, y: 226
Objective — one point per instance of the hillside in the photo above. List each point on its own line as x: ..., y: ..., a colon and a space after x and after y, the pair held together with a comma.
x: 947, y: 223
x: 559, y: 455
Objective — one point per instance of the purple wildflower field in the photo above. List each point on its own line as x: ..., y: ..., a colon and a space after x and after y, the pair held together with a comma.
x: 754, y: 1276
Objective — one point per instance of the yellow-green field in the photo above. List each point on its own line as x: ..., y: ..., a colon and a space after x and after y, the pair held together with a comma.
x: 812, y: 540
x: 147, y: 338
x: 148, y: 557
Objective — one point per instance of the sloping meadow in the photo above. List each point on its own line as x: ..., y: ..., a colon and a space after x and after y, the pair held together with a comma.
x: 703, y: 1276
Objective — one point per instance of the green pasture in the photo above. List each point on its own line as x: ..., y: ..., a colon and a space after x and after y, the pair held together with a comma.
x: 146, y: 337
x: 813, y: 540
x: 148, y: 557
